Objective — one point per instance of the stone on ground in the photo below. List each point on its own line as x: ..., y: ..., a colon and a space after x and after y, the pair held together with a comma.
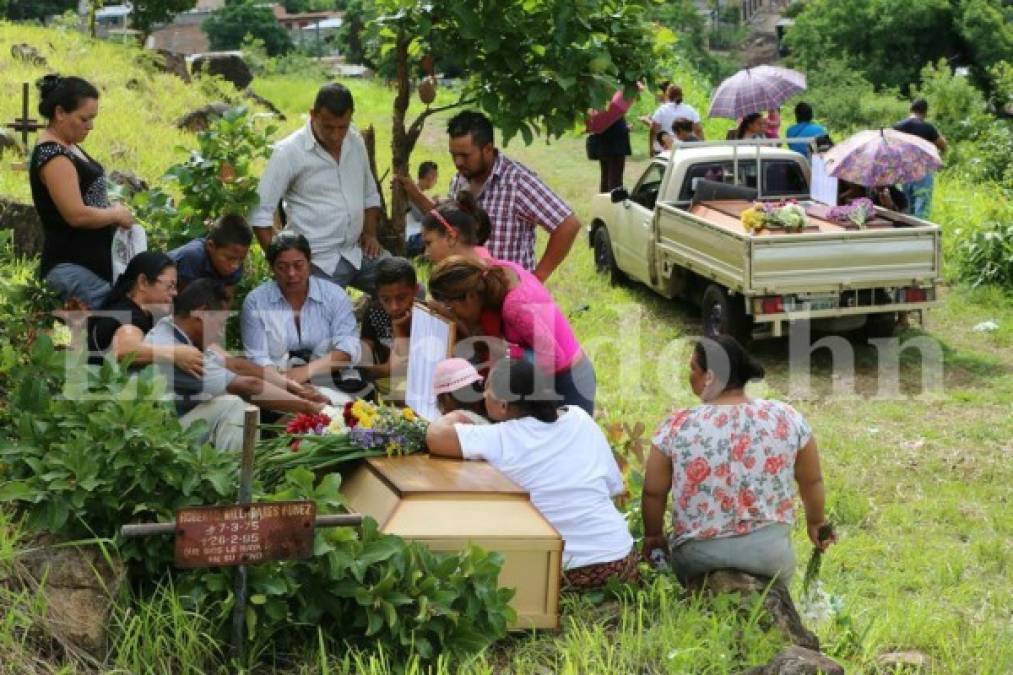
x: 798, y: 661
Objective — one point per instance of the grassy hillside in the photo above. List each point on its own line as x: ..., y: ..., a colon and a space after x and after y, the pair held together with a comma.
x: 919, y: 486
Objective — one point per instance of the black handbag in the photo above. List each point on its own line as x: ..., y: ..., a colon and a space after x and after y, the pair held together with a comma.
x: 593, y: 146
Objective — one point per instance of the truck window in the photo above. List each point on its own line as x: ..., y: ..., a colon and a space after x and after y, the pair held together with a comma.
x: 783, y: 177
x: 646, y: 191
x: 716, y: 171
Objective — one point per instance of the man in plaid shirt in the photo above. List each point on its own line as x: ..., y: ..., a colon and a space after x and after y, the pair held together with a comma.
x: 514, y: 197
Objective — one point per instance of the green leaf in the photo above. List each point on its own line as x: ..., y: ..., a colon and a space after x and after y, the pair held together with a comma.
x: 18, y: 490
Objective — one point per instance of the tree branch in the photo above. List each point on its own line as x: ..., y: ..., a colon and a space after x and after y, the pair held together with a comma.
x: 416, y: 126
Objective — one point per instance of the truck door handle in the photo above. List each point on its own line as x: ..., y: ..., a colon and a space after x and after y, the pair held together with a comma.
x: 627, y: 204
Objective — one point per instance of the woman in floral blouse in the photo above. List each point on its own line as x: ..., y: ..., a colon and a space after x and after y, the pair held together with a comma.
x: 730, y: 464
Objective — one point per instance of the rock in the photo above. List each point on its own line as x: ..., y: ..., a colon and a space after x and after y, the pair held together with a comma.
x: 909, y: 661
x: 230, y: 66
x: 24, y: 221
x: 174, y: 63
x: 80, y: 586
x: 798, y: 661
x: 8, y: 142
x: 23, y: 51
x: 200, y: 119
x: 128, y: 181
x: 780, y: 609
x: 260, y: 100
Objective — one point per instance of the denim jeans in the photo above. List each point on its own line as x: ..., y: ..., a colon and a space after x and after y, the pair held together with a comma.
x: 74, y: 281
x: 919, y: 196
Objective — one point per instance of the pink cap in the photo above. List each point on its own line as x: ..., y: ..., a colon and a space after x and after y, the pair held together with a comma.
x: 452, y: 374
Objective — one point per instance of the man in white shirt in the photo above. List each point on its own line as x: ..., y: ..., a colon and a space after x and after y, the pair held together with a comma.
x: 322, y: 173
x: 667, y: 113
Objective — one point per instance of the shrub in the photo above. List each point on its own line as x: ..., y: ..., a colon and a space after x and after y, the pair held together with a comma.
x: 985, y: 256
x: 91, y: 455
x: 216, y: 179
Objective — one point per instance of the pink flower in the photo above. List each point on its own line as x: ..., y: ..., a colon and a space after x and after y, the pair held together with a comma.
x: 698, y: 470
x: 749, y: 462
x: 773, y: 465
x: 740, y: 447
x: 723, y: 470
x: 746, y: 498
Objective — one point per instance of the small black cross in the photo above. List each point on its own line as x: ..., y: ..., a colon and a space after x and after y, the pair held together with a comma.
x: 25, y: 124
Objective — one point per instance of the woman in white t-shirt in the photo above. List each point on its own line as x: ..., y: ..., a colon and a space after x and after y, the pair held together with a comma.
x: 561, y: 457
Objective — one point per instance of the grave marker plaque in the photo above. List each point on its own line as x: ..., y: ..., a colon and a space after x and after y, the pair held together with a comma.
x: 213, y: 536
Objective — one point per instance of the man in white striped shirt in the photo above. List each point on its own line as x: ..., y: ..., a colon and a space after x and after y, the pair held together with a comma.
x: 322, y: 173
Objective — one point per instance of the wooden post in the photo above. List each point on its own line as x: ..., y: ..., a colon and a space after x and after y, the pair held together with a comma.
x: 251, y: 420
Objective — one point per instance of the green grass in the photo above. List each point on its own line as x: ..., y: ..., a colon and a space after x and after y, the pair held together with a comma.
x: 919, y: 488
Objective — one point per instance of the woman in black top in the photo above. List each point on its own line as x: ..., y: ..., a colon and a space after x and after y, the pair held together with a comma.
x: 143, y: 293
x: 69, y: 193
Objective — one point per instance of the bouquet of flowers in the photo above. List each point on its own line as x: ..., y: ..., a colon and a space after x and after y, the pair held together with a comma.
x: 338, y: 435
x: 858, y: 211
x: 788, y: 216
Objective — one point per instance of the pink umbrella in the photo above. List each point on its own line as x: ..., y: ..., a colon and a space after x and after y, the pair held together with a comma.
x: 755, y: 90
x: 882, y: 157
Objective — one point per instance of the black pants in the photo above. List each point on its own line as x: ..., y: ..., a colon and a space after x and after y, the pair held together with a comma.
x: 611, y: 172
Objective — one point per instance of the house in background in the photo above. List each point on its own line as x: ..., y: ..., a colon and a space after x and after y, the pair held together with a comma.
x: 185, y: 35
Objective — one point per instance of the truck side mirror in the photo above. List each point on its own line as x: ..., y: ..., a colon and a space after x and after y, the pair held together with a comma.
x: 619, y: 195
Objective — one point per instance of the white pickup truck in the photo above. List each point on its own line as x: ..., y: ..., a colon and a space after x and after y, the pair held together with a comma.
x: 678, y: 231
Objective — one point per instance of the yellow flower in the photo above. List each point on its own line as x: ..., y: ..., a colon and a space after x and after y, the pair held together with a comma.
x: 409, y: 414
x: 367, y: 421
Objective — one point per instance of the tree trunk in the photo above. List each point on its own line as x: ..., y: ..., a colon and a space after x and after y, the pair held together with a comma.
x: 402, y: 143
x: 382, y: 227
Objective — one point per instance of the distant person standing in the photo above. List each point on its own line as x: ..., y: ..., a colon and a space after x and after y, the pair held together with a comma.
x: 322, y: 173
x: 667, y: 113
x: 804, y: 127
x: 612, y: 136
x: 919, y: 193
x: 428, y: 174
x: 683, y: 129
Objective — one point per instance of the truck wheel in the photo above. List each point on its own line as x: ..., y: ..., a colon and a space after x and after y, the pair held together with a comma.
x: 604, y: 261
x: 879, y: 325
x: 723, y: 314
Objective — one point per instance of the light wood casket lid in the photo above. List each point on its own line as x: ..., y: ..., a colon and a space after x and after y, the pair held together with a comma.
x: 421, y: 474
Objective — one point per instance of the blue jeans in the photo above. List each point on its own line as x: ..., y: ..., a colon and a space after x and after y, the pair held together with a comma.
x: 919, y: 196
x: 73, y: 281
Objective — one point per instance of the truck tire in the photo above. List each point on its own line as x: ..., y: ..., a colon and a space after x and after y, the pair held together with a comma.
x: 723, y: 314
x: 604, y: 261
x: 880, y: 325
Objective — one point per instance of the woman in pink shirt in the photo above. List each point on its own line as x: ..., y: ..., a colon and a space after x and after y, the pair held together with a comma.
x: 531, y: 322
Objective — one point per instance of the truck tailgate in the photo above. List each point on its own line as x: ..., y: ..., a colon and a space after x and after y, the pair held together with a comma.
x: 853, y: 259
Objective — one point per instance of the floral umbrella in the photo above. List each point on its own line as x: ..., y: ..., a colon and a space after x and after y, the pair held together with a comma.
x: 755, y: 90
x: 882, y: 157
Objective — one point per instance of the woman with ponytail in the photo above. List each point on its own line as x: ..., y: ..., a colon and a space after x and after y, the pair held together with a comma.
x: 69, y: 193
x: 560, y: 457
x: 460, y: 227
x: 473, y: 289
x: 729, y: 465
x: 143, y: 293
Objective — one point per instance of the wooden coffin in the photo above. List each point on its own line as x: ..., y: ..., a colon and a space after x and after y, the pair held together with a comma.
x: 448, y: 503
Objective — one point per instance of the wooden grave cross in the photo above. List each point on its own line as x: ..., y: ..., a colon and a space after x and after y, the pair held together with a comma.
x: 25, y: 124
x: 244, y: 533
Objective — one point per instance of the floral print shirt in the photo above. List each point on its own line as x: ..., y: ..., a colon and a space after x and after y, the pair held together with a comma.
x: 733, y: 467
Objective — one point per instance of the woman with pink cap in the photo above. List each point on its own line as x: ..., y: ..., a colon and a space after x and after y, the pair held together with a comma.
x: 458, y: 389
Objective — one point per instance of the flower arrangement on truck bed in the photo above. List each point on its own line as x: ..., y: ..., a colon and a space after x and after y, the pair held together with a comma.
x: 788, y: 216
x: 338, y: 435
